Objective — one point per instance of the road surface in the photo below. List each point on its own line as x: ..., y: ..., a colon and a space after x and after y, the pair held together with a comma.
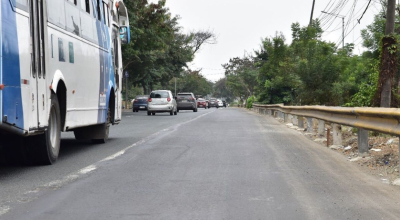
x: 214, y: 164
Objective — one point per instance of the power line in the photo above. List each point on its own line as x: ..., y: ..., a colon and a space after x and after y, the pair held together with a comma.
x: 354, y: 26
x: 364, y: 11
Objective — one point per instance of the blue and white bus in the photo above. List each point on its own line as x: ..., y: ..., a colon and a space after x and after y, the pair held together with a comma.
x: 60, y: 70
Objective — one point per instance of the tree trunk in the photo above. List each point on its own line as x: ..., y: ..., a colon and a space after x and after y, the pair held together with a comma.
x: 388, y: 70
x: 144, y: 88
x: 388, y: 66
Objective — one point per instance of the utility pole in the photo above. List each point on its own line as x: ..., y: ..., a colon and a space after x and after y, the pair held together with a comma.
x: 126, y: 89
x: 388, y: 60
x: 390, y: 17
x: 312, y: 12
x: 338, y: 16
x: 175, y: 86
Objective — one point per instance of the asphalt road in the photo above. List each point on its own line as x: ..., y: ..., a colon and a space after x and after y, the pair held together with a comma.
x: 213, y: 164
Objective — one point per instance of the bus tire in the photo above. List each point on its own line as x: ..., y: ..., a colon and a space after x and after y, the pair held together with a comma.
x: 48, y: 144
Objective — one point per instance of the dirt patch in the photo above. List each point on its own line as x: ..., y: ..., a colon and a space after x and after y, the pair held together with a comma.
x: 382, y: 159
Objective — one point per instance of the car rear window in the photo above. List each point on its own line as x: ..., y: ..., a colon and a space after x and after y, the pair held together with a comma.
x: 184, y: 96
x: 141, y: 97
x: 159, y: 94
x: 201, y: 100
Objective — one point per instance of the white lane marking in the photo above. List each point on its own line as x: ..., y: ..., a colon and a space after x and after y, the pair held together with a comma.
x: 4, y: 210
x: 74, y: 176
x: 114, y: 156
x: 87, y: 169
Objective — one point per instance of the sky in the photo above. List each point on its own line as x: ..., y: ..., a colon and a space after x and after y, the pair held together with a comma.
x: 240, y: 25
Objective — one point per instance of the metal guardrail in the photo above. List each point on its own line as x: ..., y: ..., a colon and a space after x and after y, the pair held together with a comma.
x: 383, y: 120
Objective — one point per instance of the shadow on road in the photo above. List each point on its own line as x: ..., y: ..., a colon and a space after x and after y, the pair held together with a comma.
x: 15, y: 150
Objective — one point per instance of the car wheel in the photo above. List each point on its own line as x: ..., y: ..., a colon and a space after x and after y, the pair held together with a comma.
x: 148, y: 113
x: 153, y: 113
x: 171, y: 112
x: 176, y: 112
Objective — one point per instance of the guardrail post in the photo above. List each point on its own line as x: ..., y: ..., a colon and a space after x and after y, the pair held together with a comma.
x: 337, y: 134
x: 309, y: 125
x: 300, y: 122
x: 321, y: 127
x: 363, y: 146
x: 295, y: 119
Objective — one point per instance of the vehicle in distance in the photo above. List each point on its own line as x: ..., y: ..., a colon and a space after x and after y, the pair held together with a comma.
x: 220, y: 103
x: 201, y: 103
x: 186, y: 101
x: 213, y: 103
x: 161, y: 101
x: 140, y: 103
x: 224, y: 103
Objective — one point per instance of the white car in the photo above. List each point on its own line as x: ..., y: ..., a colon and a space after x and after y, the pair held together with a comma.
x: 220, y: 103
x: 161, y: 101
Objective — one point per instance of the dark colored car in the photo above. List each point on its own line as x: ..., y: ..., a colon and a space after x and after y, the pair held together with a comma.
x: 186, y: 101
x: 201, y: 103
x: 140, y: 103
x: 213, y: 103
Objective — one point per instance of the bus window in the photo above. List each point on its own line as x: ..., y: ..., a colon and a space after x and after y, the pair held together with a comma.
x: 106, y: 15
x: 85, y: 4
x: 71, y: 52
x: 94, y: 9
x: 115, y: 36
x: 98, y: 10
x: 61, y: 57
x: 72, y: 1
x: 52, y: 46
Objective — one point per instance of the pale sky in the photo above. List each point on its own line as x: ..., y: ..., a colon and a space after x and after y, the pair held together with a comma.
x: 241, y: 24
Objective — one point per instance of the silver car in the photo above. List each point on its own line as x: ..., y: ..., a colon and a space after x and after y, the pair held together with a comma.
x: 161, y: 101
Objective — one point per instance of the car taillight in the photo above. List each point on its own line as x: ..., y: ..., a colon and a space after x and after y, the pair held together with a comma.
x: 168, y: 99
x: 149, y: 100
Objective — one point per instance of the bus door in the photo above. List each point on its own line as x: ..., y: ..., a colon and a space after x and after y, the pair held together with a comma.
x: 117, y: 74
x: 38, y: 116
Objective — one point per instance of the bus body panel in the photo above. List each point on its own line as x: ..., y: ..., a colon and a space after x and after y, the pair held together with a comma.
x: 12, y: 111
x: 78, y: 53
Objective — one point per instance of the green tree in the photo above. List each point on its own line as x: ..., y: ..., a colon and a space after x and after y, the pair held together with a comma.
x: 158, y: 50
x: 241, y: 76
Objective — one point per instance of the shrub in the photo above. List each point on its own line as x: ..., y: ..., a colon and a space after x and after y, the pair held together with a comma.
x: 250, y: 100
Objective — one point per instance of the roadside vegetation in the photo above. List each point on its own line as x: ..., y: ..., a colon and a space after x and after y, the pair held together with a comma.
x: 159, y: 51
x: 311, y: 71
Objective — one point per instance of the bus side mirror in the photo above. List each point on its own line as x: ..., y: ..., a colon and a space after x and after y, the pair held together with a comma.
x: 125, y: 34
